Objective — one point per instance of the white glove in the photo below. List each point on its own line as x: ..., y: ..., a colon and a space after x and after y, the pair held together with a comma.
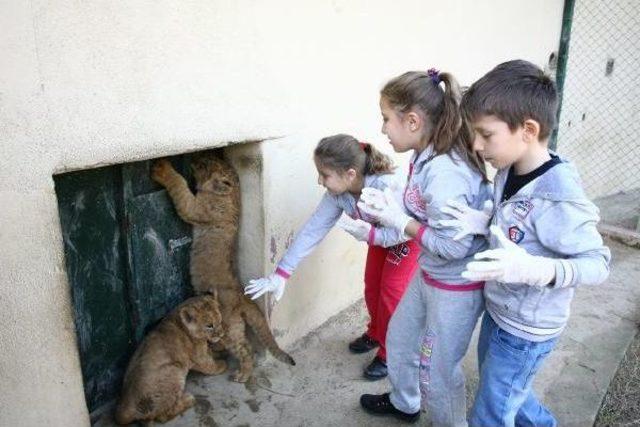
x: 467, y: 220
x: 356, y: 227
x: 510, y: 264
x: 273, y: 283
x: 384, y: 208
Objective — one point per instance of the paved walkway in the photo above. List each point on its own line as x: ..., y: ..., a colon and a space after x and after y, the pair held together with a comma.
x: 324, y: 387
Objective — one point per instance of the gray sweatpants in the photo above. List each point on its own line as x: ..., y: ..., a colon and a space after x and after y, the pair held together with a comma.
x: 428, y: 336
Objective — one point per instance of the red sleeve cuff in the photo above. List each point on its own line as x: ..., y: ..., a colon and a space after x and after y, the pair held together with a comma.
x: 421, y: 231
x: 372, y: 235
x: 280, y: 272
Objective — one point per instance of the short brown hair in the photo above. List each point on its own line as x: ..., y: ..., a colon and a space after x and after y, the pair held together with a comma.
x: 514, y: 91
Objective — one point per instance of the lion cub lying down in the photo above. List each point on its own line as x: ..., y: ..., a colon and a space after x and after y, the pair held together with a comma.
x: 153, y: 388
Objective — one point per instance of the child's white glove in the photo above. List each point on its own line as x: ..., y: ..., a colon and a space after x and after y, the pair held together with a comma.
x: 467, y: 220
x: 510, y: 264
x: 273, y: 283
x: 356, y: 227
x: 383, y: 207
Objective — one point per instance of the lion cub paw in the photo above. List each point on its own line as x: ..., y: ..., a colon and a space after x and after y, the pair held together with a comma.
x: 220, y: 367
x: 188, y: 400
x: 161, y: 171
x: 241, y: 377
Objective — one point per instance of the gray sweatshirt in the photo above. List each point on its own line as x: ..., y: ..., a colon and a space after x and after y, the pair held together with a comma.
x: 327, y: 214
x: 551, y: 217
x: 433, y: 180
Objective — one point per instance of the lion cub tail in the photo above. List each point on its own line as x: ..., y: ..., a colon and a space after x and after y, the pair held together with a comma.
x: 255, y: 318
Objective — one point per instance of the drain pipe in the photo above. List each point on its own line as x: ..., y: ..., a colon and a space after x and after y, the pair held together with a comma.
x: 563, y: 57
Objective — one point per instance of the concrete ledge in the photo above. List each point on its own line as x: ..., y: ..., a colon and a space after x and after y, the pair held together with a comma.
x: 622, y: 235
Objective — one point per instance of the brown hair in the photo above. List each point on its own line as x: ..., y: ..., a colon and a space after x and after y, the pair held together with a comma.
x: 342, y: 152
x: 514, y: 91
x: 440, y: 107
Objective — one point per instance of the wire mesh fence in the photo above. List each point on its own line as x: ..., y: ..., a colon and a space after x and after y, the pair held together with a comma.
x: 599, y: 125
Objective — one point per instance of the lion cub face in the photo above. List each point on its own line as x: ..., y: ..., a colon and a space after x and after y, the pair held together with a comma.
x: 214, y: 175
x: 202, y: 319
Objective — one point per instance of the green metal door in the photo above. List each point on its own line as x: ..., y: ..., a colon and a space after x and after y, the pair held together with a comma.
x: 126, y: 255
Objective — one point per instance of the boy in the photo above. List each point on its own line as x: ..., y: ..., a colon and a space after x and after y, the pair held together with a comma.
x: 543, y: 238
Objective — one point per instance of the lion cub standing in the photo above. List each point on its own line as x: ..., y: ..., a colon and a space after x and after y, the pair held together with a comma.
x: 214, y: 213
x: 153, y: 388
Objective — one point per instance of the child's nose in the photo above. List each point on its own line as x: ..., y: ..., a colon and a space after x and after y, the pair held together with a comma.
x: 478, y: 144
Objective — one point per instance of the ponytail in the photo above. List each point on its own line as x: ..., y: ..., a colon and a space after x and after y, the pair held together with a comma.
x: 343, y: 152
x: 453, y: 132
x: 447, y: 126
x: 376, y: 163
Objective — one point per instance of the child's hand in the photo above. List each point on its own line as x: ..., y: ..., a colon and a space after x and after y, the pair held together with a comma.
x: 467, y: 220
x: 273, y: 283
x: 510, y: 264
x: 161, y: 171
x: 384, y: 208
x: 356, y: 227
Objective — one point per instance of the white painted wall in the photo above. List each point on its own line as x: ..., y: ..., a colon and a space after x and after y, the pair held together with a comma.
x: 91, y: 83
x: 600, y: 117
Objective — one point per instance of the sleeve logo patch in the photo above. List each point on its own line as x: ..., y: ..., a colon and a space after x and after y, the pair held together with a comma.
x: 515, y: 234
x: 522, y: 208
x: 414, y: 201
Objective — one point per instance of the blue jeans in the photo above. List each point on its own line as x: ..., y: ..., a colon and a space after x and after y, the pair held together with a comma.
x: 507, y: 366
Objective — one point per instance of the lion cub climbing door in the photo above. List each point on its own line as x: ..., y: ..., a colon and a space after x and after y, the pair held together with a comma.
x: 126, y: 255
x: 157, y: 246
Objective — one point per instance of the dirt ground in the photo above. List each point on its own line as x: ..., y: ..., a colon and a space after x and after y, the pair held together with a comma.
x: 621, y: 405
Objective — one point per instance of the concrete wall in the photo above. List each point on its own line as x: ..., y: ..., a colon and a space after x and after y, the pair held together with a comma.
x: 92, y: 83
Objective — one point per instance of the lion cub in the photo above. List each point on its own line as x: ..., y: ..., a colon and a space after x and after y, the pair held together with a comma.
x: 214, y: 213
x: 153, y: 388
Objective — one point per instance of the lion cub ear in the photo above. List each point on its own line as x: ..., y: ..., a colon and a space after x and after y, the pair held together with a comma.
x: 187, y: 315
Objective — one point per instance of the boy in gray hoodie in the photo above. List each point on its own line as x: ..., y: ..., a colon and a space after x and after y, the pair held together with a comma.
x: 543, y: 239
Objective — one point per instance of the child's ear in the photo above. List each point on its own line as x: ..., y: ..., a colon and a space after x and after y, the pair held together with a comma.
x: 351, y: 173
x: 531, y: 130
x: 413, y: 120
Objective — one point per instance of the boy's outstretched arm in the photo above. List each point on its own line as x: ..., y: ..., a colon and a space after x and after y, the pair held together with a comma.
x: 569, y: 230
x: 509, y: 263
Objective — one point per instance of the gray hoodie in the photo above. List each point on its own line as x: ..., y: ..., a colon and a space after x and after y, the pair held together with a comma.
x: 433, y: 180
x: 327, y: 214
x: 551, y: 217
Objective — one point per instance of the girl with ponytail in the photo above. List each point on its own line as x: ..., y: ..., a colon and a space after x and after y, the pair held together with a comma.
x: 430, y: 331
x: 345, y: 166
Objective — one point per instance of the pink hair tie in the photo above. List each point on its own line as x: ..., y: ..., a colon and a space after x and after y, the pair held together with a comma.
x: 363, y: 145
